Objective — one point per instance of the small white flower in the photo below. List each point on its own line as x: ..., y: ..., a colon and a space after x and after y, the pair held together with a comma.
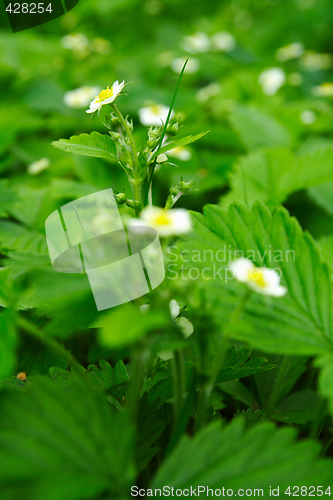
x: 38, y: 166
x: 314, y: 61
x: 271, y: 80
x: 223, y: 41
x: 183, y: 323
x: 154, y: 115
x: 323, y: 90
x: 166, y: 222
x: 106, y: 97
x: 81, y: 97
x: 174, y: 308
x: 205, y: 93
x: 77, y: 42
x: 198, y: 42
x: 181, y: 153
x: 290, y: 51
x: 308, y: 117
x: 260, y: 279
x: 192, y: 65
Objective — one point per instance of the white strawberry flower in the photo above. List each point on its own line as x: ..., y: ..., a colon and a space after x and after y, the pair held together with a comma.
x: 154, y: 115
x: 166, y: 222
x: 38, y: 166
x: 198, y: 42
x: 323, y: 90
x: 290, y: 51
x: 106, y: 96
x: 260, y: 279
x: 271, y: 80
x: 81, y: 97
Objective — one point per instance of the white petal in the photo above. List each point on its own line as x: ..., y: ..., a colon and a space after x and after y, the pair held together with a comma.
x: 174, y: 308
x: 240, y: 268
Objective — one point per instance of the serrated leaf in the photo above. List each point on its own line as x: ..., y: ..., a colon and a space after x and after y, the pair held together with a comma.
x: 14, y: 236
x: 93, y: 144
x: 300, y: 322
x: 176, y: 144
x: 325, y: 364
x: 236, y: 365
x: 257, y: 129
x: 233, y: 458
x: 271, y: 175
x: 298, y: 408
x: 56, y: 429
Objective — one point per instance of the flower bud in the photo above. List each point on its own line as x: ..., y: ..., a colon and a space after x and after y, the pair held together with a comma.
x: 120, y: 198
x: 133, y: 204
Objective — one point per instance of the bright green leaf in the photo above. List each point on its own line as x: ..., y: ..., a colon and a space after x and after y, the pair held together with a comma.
x: 261, y: 457
x: 94, y: 144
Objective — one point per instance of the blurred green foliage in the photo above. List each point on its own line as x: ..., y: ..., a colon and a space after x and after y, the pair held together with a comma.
x: 108, y: 400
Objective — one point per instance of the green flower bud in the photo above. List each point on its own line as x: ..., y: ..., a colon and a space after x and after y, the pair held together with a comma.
x: 120, y: 198
x: 133, y: 204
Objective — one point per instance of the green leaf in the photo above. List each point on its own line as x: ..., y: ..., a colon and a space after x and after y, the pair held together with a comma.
x: 271, y: 175
x: 256, y: 129
x: 322, y: 196
x: 65, y: 431
x: 300, y: 322
x: 261, y: 457
x: 8, y: 341
x: 94, y: 144
x: 325, y: 363
x: 236, y: 365
x: 176, y: 144
x: 298, y: 408
x: 127, y: 325
x: 14, y: 236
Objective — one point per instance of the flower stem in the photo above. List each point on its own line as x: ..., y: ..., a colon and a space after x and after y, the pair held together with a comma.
x: 129, y: 134
x: 277, y: 386
x: 135, y: 181
x: 206, y: 392
x: 179, y: 382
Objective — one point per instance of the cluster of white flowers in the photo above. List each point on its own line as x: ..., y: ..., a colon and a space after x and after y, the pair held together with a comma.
x: 38, y: 166
x: 80, y: 44
x: 154, y: 115
x: 176, y: 221
x: 314, y: 61
x: 271, y: 80
x: 80, y: 97
x: 210, y: 90
x: 290, y: 51
x: 200, y: 42
x: 106, y: 96
x: 323, y: 90
x: 308, y: 117
x: 192, y: 65
x: 260, y: 279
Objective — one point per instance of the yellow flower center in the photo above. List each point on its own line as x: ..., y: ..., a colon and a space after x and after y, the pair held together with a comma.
x: 256, y: 276
x: 155, y: 109
x: 163, y: 219
x: 105, y: 94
